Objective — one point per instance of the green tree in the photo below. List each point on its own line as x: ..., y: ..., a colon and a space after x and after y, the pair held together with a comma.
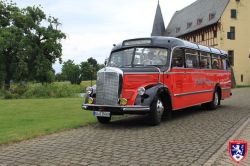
x: 92, y: 62
x: 11, y: 42
x: 30, y: 43
x: 60, y: 77
x: 71, y: 72
x: 87, y: 71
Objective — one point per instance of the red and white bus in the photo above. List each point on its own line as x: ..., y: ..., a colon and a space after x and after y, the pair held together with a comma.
x: 157, y: 76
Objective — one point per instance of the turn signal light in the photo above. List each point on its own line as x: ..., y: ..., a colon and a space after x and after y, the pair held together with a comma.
x: 123, y: 101
x: 90, y: 100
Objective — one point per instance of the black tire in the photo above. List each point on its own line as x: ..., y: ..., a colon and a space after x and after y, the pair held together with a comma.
x: 104, y: 120
x: 156, y: 111
x: 214, y: 103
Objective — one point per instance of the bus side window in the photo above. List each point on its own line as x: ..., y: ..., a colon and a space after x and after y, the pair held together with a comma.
x: 224, y: 63
x: 192, y: 59
x: 178, y: 57
x: 205, y: 60
x: 217, y: 62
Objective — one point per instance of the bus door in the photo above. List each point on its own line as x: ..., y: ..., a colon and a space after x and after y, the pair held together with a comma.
x: 194, y: 78
x: 178, y: 78
x: 207, y: 82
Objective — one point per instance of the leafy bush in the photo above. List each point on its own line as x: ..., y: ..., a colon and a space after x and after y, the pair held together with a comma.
x: 19, y: 89
x: 38, y: 90
x: 9, y: 95
x: 1, y: 93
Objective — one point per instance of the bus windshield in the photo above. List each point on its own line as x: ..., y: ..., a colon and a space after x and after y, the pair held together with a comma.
x: 139, y: 56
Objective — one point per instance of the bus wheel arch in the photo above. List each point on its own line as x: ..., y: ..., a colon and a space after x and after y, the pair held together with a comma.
x: 161, y: 99
x: 218, y: 89
x: 212, y: 105
x: 219, y: 93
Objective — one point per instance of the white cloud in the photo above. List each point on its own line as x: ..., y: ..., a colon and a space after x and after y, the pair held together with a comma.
x: 92, y: 27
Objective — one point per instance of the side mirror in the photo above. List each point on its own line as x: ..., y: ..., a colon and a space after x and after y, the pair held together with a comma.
x: 106, y: 62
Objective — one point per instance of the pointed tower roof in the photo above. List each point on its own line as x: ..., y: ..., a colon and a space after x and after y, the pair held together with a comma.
x: 159, y: 26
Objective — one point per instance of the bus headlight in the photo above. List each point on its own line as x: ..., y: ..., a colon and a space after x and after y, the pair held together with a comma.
x: 141, y: 91
x: 89, y: 90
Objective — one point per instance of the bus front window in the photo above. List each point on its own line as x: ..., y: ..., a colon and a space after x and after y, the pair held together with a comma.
x: 121, y: 58
x: 150, y: 56
x: 142, y: 57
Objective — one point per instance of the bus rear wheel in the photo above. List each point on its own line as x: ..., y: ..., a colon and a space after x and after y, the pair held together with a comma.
x: 214, y: 103
x: 103, y: 120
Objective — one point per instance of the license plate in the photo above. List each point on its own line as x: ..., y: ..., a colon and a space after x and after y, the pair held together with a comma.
x: 101, y: 114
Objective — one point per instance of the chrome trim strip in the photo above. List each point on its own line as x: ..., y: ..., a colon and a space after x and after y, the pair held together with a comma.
x: 136, y: 109
x: 159, y: 74
x: 111, y: 69
x: 198, y: 73
x: 191, y: 73
x: 174, y: 73
x: 130, y: 73
x: 191, y: 93
x: 225, y: 88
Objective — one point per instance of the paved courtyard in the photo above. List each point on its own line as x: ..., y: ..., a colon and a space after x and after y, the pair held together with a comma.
x: 193, y: 137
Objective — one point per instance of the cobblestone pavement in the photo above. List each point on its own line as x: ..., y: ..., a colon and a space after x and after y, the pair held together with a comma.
x: 190, y: 138
x: 221, y: 157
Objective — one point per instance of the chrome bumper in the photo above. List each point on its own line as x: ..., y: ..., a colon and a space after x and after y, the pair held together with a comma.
x: 135, y: 109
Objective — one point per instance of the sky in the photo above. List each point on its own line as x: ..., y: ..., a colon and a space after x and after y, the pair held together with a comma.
x: 93, y: 26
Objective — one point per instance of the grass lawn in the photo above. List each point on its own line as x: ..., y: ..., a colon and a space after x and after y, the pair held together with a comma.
x: 27, y: 118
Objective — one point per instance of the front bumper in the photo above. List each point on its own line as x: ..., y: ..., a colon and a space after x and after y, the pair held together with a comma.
x: 117, y: 110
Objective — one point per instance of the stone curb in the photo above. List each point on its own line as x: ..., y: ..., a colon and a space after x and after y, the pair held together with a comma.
x: 212, y: 159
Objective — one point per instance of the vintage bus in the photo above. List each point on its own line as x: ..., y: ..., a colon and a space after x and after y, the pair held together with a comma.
x: 157, y: 76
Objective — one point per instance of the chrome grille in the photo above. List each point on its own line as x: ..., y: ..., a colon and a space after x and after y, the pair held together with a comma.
x: 107, y: 88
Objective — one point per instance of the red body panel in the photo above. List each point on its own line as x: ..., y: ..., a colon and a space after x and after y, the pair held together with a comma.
x: 195, y: 86
x: 188, y: 87
x: 132, y: 82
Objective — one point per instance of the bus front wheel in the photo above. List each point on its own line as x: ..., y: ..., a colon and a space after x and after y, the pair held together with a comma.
x: 157, y: 109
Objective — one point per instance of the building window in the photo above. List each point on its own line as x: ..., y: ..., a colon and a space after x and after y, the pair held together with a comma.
x: 199, y: 21
x: 194, y: 39
x: 177, y: 30
x: 233, y: 13
x: 189, y: 24
x: 237, y: 0
x: 202, y: 37
x: 211, y: 16
x: 231, y: 34
x: 215, y: 33
x: 231, y: 57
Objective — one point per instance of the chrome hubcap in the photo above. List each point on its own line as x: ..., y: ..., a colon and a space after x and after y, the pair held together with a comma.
x: 216, y: 99
x: 159, y: 107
